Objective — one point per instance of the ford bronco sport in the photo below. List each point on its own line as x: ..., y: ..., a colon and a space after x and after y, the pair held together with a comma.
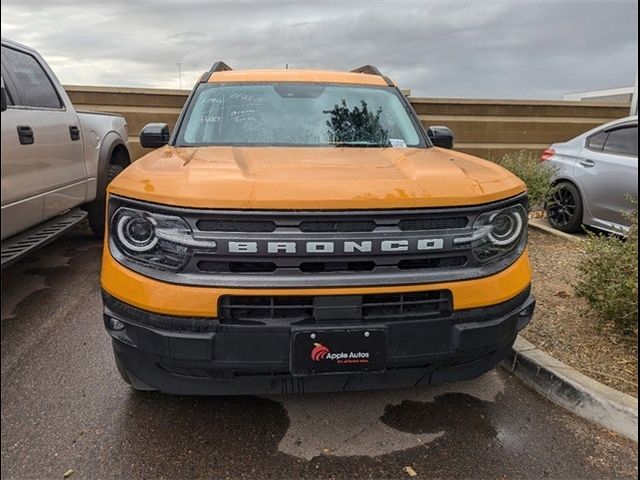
x: 299, y: 231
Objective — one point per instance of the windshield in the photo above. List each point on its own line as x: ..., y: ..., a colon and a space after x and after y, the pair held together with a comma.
x: 294, y: 114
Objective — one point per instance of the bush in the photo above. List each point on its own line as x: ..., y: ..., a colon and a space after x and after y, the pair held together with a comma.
x: 609, y: 277
x: 536, y: 175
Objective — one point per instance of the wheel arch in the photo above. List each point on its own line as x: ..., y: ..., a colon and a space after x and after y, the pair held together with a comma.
x: 114, y: 151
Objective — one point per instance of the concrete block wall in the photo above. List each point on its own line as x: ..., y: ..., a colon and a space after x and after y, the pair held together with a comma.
x: 487, y: 128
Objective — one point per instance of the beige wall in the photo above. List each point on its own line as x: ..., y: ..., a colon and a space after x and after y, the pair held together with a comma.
x: 488, y: 128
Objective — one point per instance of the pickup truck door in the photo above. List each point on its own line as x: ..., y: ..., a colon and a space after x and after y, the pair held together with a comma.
x: 43, y: 170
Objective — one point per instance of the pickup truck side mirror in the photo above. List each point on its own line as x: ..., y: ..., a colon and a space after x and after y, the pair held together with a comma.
x: 3, y: 94
x: 440, y: 136
x: 154, y: 135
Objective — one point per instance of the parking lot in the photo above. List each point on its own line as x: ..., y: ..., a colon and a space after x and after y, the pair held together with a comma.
x: 64, y: 407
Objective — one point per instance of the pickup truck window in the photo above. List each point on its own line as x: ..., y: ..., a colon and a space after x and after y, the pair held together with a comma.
x: 296, y: 114
x: 34, y: 86
x: 8, y: 93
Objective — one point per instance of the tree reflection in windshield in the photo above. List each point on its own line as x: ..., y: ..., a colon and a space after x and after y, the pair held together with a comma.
x: 357, y: 125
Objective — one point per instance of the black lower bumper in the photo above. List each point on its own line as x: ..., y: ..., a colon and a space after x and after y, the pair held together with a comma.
x: 205, y: 357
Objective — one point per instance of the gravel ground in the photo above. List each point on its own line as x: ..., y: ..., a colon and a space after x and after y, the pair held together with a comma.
x: 562, y: 327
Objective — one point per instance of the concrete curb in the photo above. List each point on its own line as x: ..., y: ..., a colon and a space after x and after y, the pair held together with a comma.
x: 542, y: 224
x: 571, y: 389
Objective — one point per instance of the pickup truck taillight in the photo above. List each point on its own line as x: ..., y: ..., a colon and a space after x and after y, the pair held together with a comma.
x: 547, y: 154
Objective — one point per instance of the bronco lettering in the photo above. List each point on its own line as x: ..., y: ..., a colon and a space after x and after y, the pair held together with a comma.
x: 348, y: 246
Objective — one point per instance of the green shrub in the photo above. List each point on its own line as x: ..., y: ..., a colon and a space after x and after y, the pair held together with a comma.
x: 609, y: 277
x: 536, y: 175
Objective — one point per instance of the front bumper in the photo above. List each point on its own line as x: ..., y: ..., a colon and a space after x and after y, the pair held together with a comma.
x: 201, y: 356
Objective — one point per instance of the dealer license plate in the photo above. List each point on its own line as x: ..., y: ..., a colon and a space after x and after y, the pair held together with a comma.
x: 338, y: 351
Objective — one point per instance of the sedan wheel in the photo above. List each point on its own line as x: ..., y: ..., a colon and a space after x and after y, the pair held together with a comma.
x: 564, y: 209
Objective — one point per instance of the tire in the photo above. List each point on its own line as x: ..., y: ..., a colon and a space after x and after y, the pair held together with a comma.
x: 565, y: 208
x: 96, y: 209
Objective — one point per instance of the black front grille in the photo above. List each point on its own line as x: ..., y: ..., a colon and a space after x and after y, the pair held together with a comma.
x: 346, y: 266
x: 249, y: 226
x: 337, y: 226
x: 456, y: 261
x: 404, y: 306
x: 433, y: 223
x: 366, y: 229
x: 409, y: 223
x: 309, y: 309
x: 210, y: 266
x: 319, y: 267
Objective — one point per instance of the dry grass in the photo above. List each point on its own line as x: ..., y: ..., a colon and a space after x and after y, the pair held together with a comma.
x: 562, y: 327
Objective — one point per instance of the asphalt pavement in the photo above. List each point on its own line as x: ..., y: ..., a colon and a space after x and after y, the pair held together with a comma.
x: 64, y: 407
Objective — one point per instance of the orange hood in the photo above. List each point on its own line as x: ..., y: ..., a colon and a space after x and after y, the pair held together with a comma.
x: 314, y: 178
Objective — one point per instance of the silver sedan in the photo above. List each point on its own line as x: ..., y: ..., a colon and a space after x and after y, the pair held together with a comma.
x: 596, y: 173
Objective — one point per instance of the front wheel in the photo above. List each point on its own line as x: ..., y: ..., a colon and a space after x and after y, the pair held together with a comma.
x: 564, y: 208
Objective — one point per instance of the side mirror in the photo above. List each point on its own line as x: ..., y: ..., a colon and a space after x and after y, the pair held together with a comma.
x: 154, y: 135
x: 3, y: 93
x: 440, y: 136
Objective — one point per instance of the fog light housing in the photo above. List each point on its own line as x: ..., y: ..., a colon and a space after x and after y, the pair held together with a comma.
x: 525, y: 312
x: 115, y: 324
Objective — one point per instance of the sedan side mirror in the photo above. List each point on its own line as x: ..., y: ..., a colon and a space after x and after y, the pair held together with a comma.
x: 440, y: 136
x: 154, y: 135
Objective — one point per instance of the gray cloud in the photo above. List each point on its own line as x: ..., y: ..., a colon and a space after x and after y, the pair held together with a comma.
x: 487, y: 49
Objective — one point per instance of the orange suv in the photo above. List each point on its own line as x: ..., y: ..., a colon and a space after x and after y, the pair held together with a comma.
x: 299, y: 231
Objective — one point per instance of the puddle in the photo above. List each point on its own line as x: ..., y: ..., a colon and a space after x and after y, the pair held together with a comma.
x: 380, y: 422
x: 454, y: 412
x: 23, y: 279
x: 17, y: 287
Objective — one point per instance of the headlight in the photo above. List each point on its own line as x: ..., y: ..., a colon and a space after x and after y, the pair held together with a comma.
x: 136, y: 233
x: 161, y: 241
x: 506, y: 227
x: 496, y: 233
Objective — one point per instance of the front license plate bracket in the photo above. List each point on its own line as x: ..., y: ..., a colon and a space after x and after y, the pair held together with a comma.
x: 318, y: 351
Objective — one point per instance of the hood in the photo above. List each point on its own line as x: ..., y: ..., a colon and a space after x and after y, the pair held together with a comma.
x: 314, y: 178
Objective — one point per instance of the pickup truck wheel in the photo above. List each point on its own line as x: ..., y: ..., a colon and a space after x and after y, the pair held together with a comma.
x: 96, y: 210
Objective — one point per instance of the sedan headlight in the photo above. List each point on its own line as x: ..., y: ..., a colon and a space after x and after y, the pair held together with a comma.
x: 496, y: 233
x: 164, y: 242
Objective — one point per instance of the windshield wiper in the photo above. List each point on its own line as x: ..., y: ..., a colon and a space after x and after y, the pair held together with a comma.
x: 363, y: 144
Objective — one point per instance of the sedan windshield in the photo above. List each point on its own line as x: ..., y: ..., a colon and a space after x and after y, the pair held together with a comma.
x: 295, y: 114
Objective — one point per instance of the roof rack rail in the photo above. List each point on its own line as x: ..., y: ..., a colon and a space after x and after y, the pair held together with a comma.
x: 219, y: 67
x: 216, y: 67
x: 371, y: 70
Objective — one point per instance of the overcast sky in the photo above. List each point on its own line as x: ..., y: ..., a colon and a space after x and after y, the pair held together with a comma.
x: 448, y: 48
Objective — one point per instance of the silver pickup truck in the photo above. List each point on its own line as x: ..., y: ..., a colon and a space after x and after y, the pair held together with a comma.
x: 56, y: 162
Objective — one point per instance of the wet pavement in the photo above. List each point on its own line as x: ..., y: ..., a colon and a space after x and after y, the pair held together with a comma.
x: 65, y: 407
